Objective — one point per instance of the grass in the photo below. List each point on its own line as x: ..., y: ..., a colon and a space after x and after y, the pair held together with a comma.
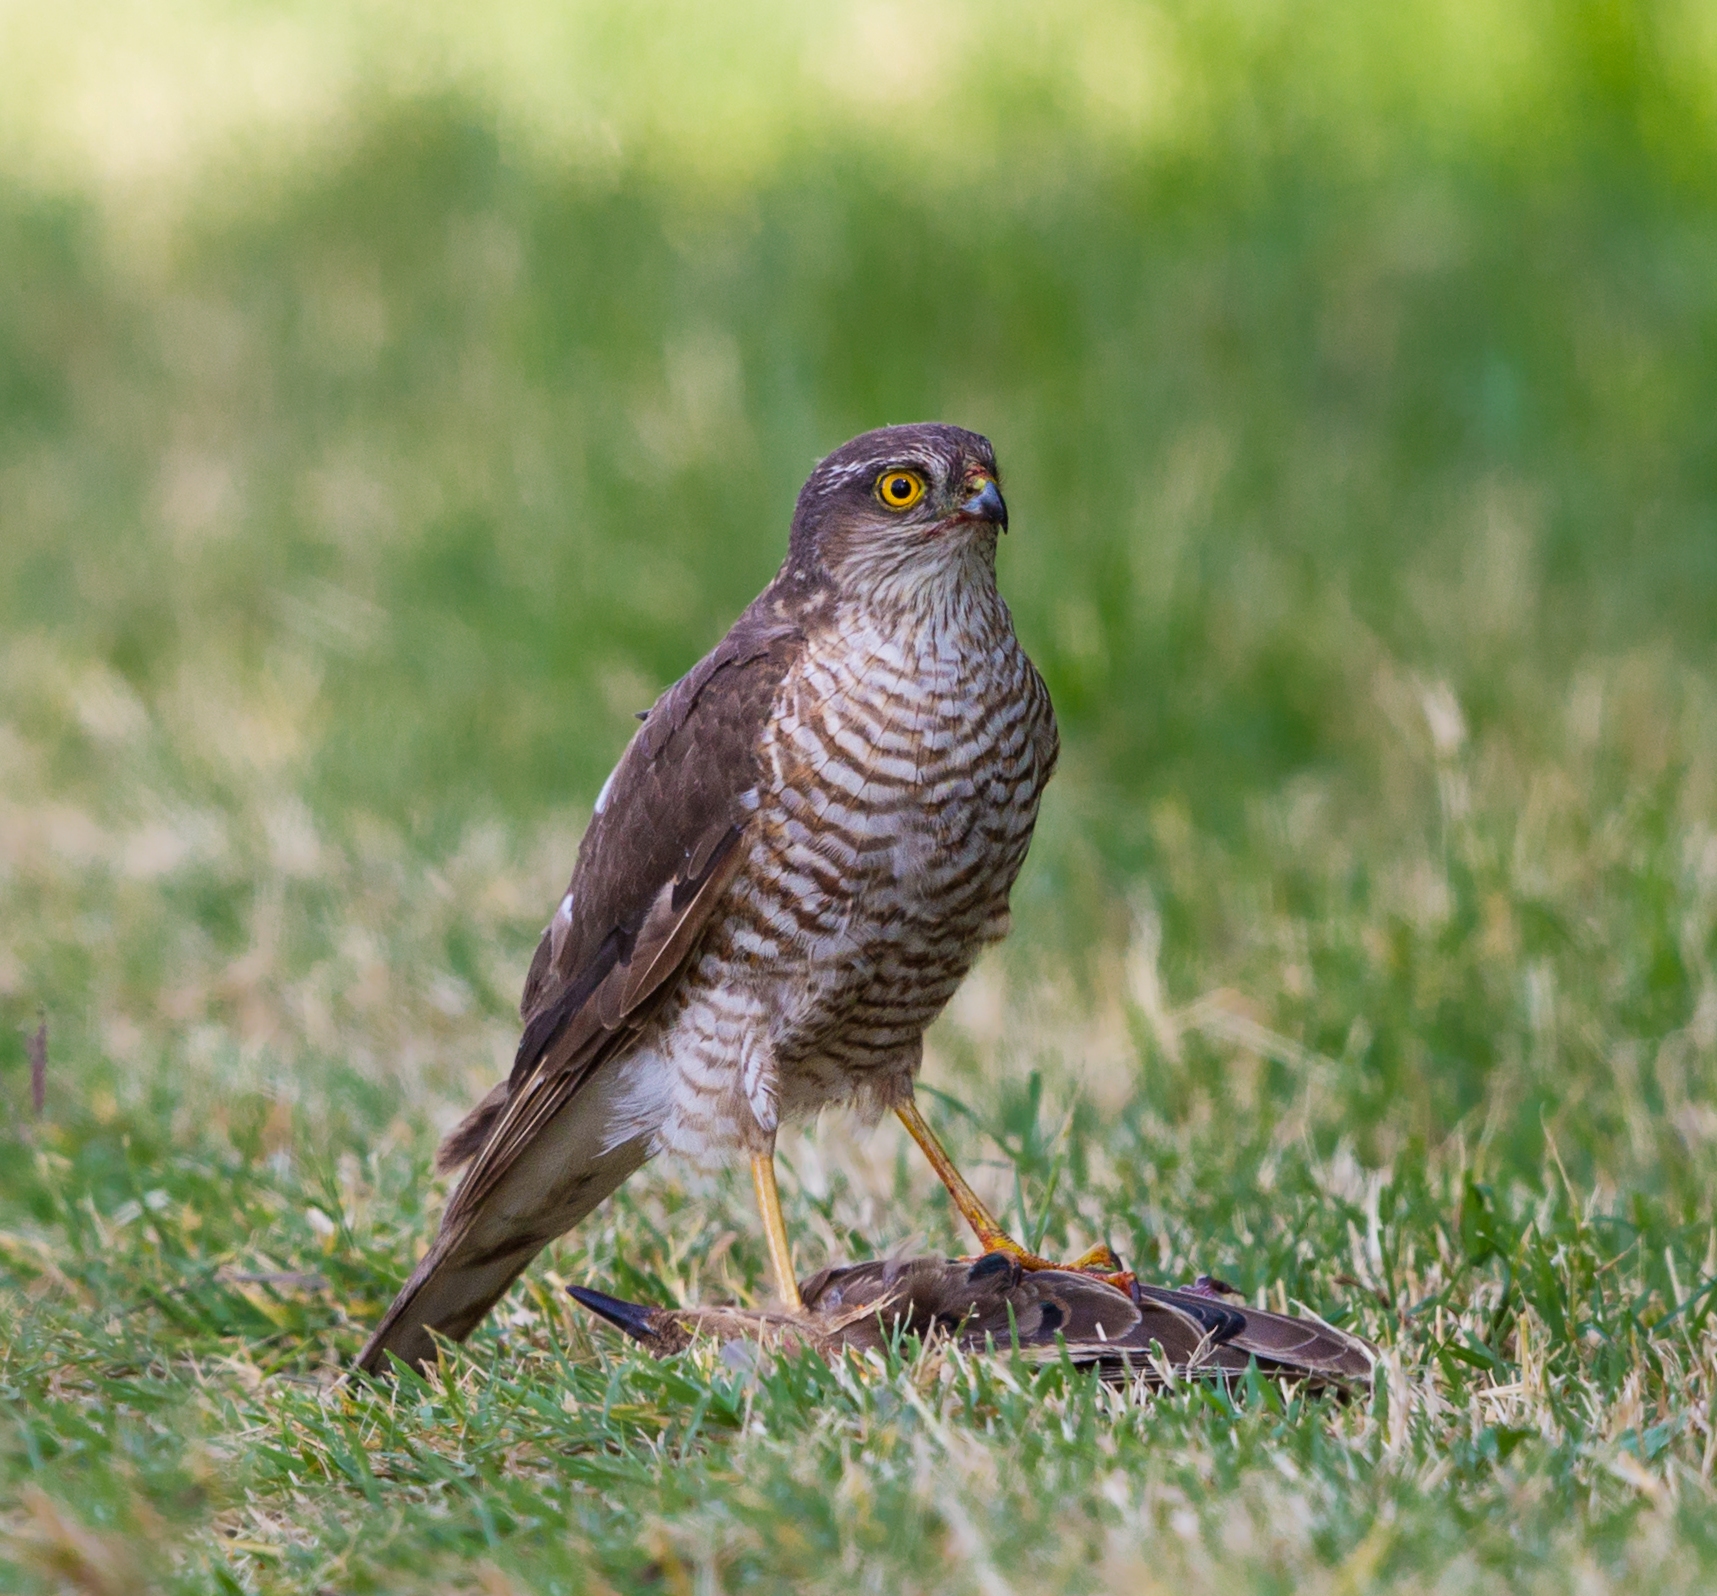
x: 374, y: 441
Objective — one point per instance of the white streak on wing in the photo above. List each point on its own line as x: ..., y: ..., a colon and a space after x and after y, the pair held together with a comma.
x: 607, y: 787
x: 558, y: 928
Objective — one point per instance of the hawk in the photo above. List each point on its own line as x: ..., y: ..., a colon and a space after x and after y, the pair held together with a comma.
x: 805, y: 845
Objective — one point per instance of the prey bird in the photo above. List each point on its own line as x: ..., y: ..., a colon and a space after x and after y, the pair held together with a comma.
x: 800, y: 853
x: 1201, y: 1331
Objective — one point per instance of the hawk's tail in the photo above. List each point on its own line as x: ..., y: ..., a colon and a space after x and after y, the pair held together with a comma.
x: 479, y: 1255
x: 448, y: 1293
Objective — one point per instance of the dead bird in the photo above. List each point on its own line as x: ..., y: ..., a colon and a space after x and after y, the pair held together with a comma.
x: 1152, y: 1332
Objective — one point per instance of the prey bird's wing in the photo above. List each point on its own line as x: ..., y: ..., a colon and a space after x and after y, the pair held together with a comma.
x: 1050, y: 1311
x: 670, y: 832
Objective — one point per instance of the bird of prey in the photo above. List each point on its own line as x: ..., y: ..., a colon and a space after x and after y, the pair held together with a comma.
x: 805, y: 845
x: 1199, y: 1331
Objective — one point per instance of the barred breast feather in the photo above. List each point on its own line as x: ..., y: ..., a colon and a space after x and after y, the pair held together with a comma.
x: 900, y: 777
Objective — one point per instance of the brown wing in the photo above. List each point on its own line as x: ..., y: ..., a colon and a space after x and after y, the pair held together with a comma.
x: 994, y: 1301
x: 989, y: 1300
x: 1282, y: 1343
x: 668, y: 836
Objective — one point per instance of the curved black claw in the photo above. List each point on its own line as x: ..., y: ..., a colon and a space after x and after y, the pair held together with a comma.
x: 634, y: 1318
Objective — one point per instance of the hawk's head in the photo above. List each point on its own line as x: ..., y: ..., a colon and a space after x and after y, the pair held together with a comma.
x: 915, y: 504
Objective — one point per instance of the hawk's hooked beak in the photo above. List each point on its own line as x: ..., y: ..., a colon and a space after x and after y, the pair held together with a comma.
x: 987, y: 504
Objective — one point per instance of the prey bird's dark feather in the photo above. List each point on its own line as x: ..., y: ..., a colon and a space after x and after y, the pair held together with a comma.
x: 1162, y: 1332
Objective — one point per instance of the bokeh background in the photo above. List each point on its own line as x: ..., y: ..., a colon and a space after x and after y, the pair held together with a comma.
x: 394, y: 399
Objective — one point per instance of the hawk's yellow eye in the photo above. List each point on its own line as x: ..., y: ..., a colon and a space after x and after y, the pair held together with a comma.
x: 900, y: 490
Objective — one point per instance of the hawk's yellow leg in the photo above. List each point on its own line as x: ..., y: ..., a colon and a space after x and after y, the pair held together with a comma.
x: 1099, y: 1260
x: 775, y: 1231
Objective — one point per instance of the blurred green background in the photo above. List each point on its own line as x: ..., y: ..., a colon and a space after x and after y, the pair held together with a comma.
x: 394, y: 399
x: 390, y: 404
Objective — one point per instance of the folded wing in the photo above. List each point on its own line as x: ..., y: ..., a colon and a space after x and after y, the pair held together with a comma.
x: 668, y: 837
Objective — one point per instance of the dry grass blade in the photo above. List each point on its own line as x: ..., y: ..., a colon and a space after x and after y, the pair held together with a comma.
x: 38, y: 1051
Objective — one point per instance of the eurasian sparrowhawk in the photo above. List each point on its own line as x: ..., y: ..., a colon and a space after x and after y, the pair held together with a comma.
x: 791, y: 869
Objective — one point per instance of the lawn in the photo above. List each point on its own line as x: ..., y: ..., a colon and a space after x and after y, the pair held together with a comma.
x: 391, y: 405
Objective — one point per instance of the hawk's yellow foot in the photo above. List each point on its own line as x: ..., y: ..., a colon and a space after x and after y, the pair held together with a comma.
x: 1099, y: 1261
x: 775, y: 1231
